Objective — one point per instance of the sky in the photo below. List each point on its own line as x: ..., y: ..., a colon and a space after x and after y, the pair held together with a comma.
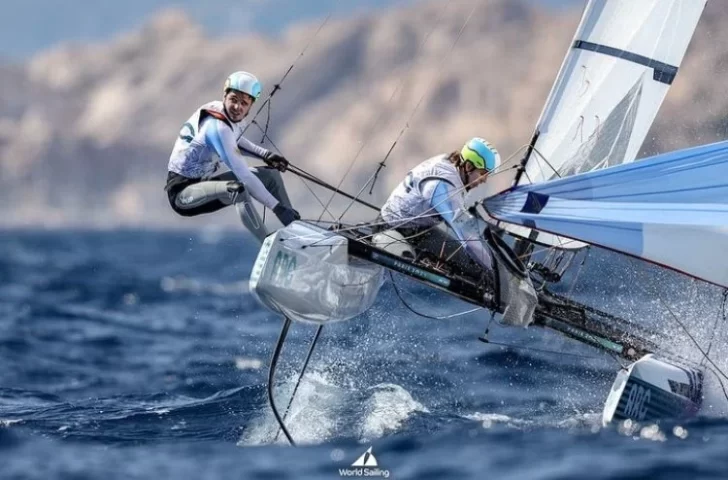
x: 28, y: 26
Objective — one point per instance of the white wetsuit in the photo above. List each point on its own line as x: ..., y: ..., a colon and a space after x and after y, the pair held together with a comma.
x: 209, y: 136
x: 430, y: 193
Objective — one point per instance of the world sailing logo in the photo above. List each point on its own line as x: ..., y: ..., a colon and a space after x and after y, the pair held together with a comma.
x: 365, y: 466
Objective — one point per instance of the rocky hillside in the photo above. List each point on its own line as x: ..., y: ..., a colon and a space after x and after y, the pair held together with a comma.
x: 86, y: 130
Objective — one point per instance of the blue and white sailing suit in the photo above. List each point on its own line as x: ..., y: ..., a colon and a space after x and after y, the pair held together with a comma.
x: 207, y: 138
x: 431, y: 193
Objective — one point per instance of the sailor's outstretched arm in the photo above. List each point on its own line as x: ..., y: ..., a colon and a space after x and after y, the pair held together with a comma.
x: 448, y: 203
x: 220, y: 136
x: 250, y: 147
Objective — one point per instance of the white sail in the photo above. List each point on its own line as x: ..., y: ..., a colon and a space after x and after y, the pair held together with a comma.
x: 622, y: 61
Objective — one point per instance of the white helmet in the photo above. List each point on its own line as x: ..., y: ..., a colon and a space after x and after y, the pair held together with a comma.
x: 243, y: 82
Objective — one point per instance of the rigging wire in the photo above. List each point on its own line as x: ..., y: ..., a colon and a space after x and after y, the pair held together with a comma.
x: 578, y: 272
x: 376, y: 122
x: 303, y: 176
x: 618, y: 360
x: 277, y: 86
x: 407, y: 123
x: 300, y: 172
x: 692, y: 338
x: 718, y: 317
x: 722, y: 385
x: 267, y: 123
x: 425, y: 315
x: 508, y: 345
x: 543, y: 158
x: 267, y: 103
x: 563, y: 242
x: 405, y: 220
x: 716, y: 370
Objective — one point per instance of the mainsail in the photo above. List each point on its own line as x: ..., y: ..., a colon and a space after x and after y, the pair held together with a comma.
x: 623, y: 58
x: 671, y: 209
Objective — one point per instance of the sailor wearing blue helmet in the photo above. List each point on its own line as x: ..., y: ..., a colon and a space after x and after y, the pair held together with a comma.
x: 427, y: 207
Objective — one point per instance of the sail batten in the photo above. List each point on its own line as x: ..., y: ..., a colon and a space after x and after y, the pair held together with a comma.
x: 663, y: 72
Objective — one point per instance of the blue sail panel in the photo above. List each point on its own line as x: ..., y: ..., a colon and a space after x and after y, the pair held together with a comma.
x: 671, y: 209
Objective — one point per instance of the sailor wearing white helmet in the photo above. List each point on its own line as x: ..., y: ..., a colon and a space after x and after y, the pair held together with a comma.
x: 213, y: 133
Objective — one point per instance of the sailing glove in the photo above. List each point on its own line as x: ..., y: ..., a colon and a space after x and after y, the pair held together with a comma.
x: 286, y: 214
x: 276, y: 161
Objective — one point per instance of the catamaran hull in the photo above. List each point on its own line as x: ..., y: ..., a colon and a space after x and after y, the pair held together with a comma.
x: 315, y: 275
x: 653, y: 389
x: 305, y: 273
